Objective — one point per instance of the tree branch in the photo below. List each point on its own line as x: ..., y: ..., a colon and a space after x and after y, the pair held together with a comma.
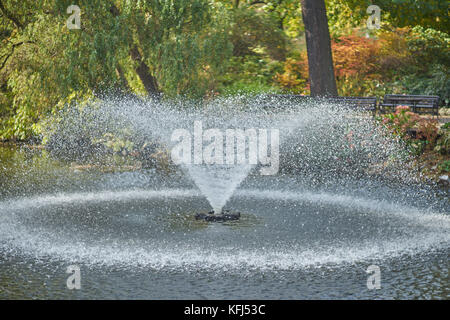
x: 148, y: 80
x: 10, y: 16
x: 14, y: 46
x: 142, y: 70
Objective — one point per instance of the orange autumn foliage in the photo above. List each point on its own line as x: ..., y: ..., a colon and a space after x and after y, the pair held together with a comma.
x: 295, y: 75
x: 354, y: 55
x: 361, y: 64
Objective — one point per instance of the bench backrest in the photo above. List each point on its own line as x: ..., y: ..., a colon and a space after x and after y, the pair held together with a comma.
x: 411, y: 99
x: 289, y: 97
x: 366, y: 103
x: 363, y: 103
x: 418, y: 103
x: 271, y: 101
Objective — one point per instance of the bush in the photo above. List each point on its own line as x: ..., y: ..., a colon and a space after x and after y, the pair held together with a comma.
x: 427, y: 131
x: 419, y: 134
x: 251, y: 31
x: 428, y: 46
x: 445, y: 166
x: 402, y: 60
x: 249, y: 74
x: 436, y: 81
x: 295, y: 76
x: 443, y: 141
x: 354, y: 55
x: 428, y: 72
x: 401, y: 122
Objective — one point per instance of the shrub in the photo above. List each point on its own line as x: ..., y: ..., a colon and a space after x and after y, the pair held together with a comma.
x: 354, y: 55
x: 428, y: 46
x: 445, y: 166
x: 249, y: 74
x: 401, y: 122
x: 420, y: 134
x: 428, y: 69
x: 435, y: 81
x: 443, y: 141
x: 428, y: 131
x: 295, y: 76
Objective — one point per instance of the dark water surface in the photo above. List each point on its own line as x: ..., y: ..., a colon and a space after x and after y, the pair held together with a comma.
x: 133, y: 235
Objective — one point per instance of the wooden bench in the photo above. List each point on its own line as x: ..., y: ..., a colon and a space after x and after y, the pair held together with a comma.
x: 271, y: 101
x: 360, y: 103
x: 418, y: 103
x: 298, y: 98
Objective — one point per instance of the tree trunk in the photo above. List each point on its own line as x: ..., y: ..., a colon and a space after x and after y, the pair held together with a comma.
x: 142, y: 70
x: 318, y: 44
x: 122, y: 78
x: 144, y: 74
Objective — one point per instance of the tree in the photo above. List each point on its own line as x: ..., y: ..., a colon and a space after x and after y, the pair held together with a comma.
x: 320, y: 61
x: 399, y: 13
x: 143, y: 47
x: 142, y: 70
x: 251, y: 30
x: 284, y: 12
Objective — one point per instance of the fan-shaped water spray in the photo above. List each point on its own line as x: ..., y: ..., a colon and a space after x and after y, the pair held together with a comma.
x: 338, y: 201
x: 313, y: 134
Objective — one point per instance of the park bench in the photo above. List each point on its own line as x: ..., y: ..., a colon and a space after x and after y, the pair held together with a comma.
x: 271, y: 101
x: 359, y: 103
x: 418, y: 103
x: 297, y: 98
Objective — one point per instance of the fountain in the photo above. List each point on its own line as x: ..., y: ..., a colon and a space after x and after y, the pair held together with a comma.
x: 109, y: 196
x: 225, y: 215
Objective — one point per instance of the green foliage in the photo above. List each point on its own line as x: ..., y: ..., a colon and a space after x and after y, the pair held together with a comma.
x: 434, y: 82
x: 443, y: 141
x: 287, y: 14
x: 343, y: 18
x: 246, y: 87
x: 403, y: 123
x: 198, y: 48
x: 429, y: 71
x: 399, y: 13
x: 445, y: 166
x: 429, y: 46
x: 249, y: 74
x: 251, y: 31
x: 294, y: 77
x: 184, y: 42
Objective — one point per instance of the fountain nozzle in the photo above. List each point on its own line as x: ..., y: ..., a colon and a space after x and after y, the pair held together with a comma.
x: 211, y: 216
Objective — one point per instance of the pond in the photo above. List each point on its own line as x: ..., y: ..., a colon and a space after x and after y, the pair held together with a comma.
x: 133, y: 235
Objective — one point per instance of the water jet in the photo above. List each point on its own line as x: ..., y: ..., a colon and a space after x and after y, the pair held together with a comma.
x: 323, y: 218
